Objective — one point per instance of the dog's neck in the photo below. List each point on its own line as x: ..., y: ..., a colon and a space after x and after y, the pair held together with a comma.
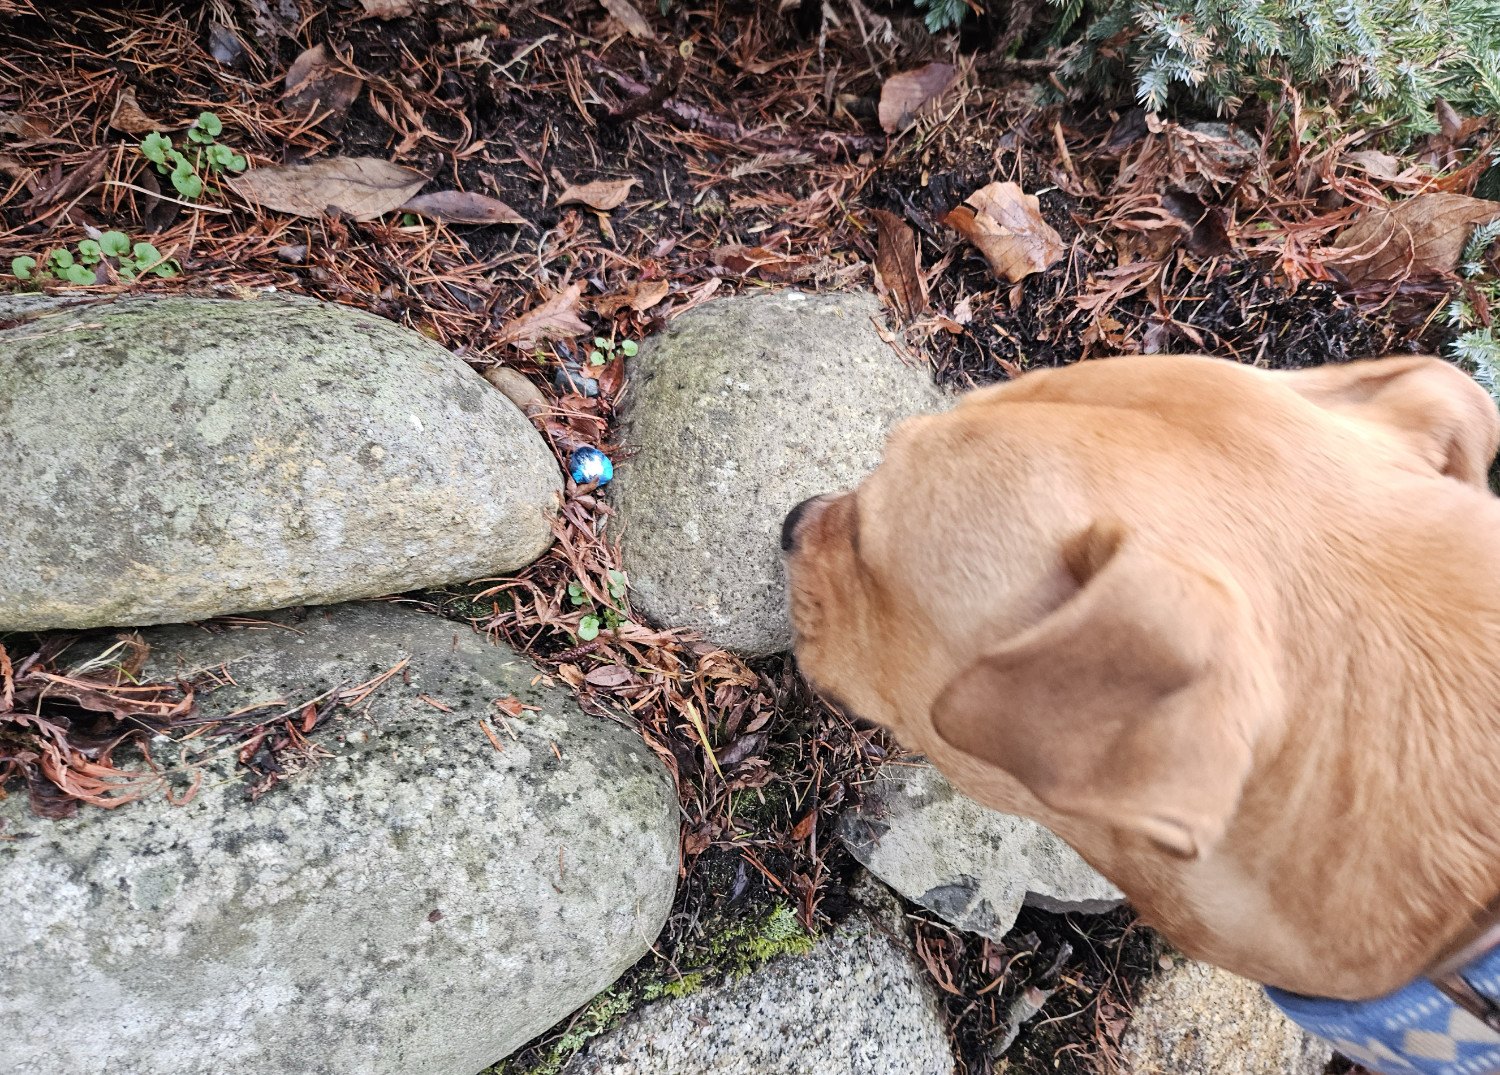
x: 1359, y: 810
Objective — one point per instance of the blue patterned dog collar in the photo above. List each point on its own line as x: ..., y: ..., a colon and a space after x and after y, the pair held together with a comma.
x: 1417, y: 1030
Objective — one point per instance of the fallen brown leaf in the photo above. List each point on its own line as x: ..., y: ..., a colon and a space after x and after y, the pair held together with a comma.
x: 601, y: 194
x: 461, y: 207
x: 552, y: 318
x: 628, y: 16
x: 24, y: 124
x: 363, y: 187
x: 70, y: 185
x: 905, y: 97
x: 128, y: 116
x: 315, y: 83
x: 608, y: 675
x: 1006, y: 224
x: 803, y: 829
x: 640, y: 297
x: 1380, y: 165
x: 768, y: 264
x: 1208, y: 225
x: 388, y: 9
x: 897, y: 262
x: 1419, y: 238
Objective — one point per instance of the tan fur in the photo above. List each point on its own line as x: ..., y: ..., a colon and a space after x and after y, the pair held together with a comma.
x: 1232, y: 634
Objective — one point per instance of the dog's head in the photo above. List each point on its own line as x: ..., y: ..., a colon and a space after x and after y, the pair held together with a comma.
x: 1080, y: 592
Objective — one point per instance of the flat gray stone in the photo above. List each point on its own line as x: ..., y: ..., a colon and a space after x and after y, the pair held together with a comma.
x: 857, y: 1004
x: 973, y: 866
x: 418, y: 903
x: 741, y: 409
x: 1199, y: 1020
x: 170, y: 459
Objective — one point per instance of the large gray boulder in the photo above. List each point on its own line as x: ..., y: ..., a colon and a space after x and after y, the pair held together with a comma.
x: 742, y: 408
x: 858, y: 1004
x: 419, y: 903
x: 169, y: 459
x: 973, y: 866
x: 1199, y: 1020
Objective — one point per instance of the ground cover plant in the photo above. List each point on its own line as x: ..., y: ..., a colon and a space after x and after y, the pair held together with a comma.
x: 520, y: 182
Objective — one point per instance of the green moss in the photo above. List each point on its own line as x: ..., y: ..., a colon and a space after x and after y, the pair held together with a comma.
x: 732, y: 949
x: 602, y: 1013
x: 677, y: 987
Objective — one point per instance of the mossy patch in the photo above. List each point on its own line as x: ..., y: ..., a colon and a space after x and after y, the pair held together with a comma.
x: 731, y: 949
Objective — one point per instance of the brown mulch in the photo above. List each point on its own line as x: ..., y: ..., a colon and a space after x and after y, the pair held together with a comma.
x: 755, y: 159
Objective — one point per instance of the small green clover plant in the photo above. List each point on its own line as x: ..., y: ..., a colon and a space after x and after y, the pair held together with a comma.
x: 208, y: 156
x: 129, y: 261
x: 604, y: 350
x: 595, y: 619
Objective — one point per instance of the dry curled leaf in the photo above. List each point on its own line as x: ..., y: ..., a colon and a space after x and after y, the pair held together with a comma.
x: 461, y: 207
x: 601, y: 194
x: 628, y: 16
x: 1419, y: 238
x: 897, y: 262
x: 906, y: 96
x: 129, y: 117
x: 315, y: 84
x: 640, y: 297
x: 552, y: 318
x: 388, y: 9
x: 1006, y: 224
x: 363, y: 187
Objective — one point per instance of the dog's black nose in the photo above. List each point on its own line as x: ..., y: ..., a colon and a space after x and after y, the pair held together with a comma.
x: 789, y: 525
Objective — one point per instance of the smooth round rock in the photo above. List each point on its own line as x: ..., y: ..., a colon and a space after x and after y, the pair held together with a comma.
x: 170, y: 459
x: 973, y: 866
x: 742, y: 408
x: 419, y: 903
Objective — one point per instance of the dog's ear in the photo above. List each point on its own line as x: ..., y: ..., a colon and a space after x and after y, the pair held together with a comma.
x: 1436, y: 408
x: 1126, y: 705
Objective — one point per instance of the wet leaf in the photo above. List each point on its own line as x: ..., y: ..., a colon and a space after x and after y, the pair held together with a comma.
x: 553, y: 318
x: 696, y: 842
x: 744, y: 748
x: 23, y: 125
x: 1208, y: 225
x: 224, y: 44
x: 768, y: 264
x: 896, y: 260
x: 1421, y: 237
x: 128, y: 116
x: 315, y: 84
x: 363, y: 187
x: 803, y: 829
x: 601, y: 194
x: 640, y: 297
x: 608, y: 675
x: 628, y: 16
x: 461, y: 207
x: 1006, y: 224
x: 388, y: 9
x: 905, y: 97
